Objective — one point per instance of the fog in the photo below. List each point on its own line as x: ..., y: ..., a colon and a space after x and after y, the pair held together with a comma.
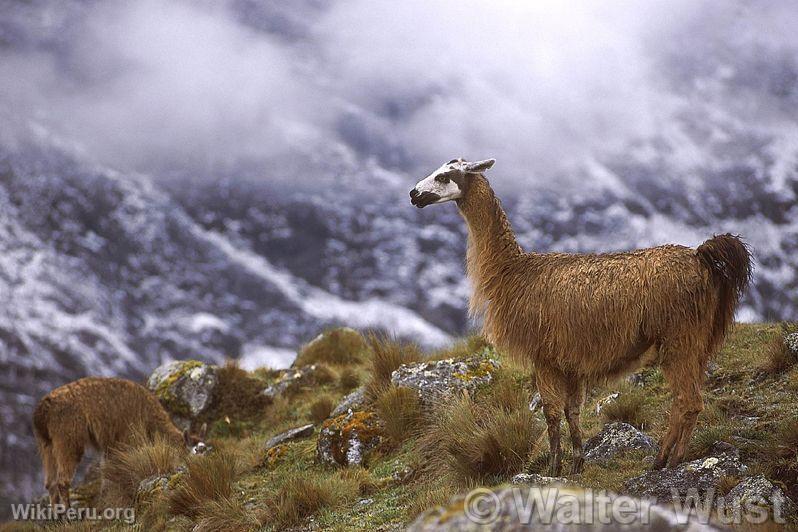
x: 202, y: 88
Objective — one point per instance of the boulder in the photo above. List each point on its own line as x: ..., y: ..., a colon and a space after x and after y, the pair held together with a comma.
x: 536, y: 402
x: 759, y: 491
x: 353, y: 401
x: 441, y: 379
x: 184, y: 387
x: 615, y: 439
x: 291, y: 379
x: 513, y: 508
x: 699, y: 476
x: 347, y: 439
x: 291, y: 434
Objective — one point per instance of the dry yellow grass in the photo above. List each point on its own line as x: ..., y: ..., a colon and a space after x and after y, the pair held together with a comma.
x: 128, y: 465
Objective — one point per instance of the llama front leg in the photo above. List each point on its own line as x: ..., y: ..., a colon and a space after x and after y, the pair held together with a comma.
x: 551, y: 386
x: 684, y: 378
x: 67, y: 457
x: 573, y: 406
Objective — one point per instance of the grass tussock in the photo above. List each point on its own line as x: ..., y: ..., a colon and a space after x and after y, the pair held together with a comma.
x: 320, y: 409
x: 337, y: 347
x: 301, y: 497
x: 629, y: 407
x: 225, y: 514
x: 780, y: 357
x: 400, y: 411
x: 128, y: 465
x: 486, y: 439
x: 386, y: 356
x: 208, y: 478
x: 236, y: 396
x: 348, y: 379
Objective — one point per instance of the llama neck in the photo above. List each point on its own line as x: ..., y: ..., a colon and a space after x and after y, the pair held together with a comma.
x: 491, y: 242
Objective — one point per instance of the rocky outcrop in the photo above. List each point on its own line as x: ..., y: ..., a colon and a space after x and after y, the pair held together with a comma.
x: 699, y: 476
x: 291, y: 434
x: 441, y: 379
x: 615, y: 439
x: 558, y: 508
x: 353, y: 401
x: 761, y: 492
x: 184, y: 388
x: 348, y: 439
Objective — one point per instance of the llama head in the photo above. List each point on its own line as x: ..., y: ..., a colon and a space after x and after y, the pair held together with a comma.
x: 196, y: 442
x: 447, y: 183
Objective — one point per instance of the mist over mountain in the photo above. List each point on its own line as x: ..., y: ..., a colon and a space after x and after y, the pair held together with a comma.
x: 226, y: 179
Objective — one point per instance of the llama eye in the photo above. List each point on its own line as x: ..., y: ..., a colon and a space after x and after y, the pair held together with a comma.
x: 441, y: 179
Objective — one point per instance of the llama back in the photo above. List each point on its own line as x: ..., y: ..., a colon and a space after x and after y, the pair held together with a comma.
x: 110, y: 410
x: 585, y: 308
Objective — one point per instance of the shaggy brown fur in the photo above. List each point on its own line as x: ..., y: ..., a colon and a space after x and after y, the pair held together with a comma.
x: 584, y: 317
x: 97, y: 412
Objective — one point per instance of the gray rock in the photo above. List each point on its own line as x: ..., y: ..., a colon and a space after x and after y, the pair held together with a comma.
x: 441, y: 379
x: 702, y: 475
x: 513, y: 508
x: 290, y: 378
x: 759, y: 491
x: 291, y: 434
x: 348, y: 439
x: 156, y: 484
x: 791, y: 341
x: 184, y: 387
x: 615, y: 439
x: 533, y: 479
x: 353, y: 401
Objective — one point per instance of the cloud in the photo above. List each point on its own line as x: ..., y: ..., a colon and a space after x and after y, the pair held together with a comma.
x: 203, y: 88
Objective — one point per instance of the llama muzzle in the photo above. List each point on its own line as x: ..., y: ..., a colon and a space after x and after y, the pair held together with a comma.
x: 422, y: 199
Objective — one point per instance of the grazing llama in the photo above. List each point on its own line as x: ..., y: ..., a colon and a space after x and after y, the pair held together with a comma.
x: 101, y: 413
x: 580, y: 318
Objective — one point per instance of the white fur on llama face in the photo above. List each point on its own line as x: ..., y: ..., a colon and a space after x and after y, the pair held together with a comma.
x: 444, y: 184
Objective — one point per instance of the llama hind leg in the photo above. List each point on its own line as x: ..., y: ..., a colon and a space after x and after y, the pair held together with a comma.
x: 573, y: 405
x: 551, y: 386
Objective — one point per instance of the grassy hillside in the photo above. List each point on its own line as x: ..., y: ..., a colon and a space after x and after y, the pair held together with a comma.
x: 428, y: 453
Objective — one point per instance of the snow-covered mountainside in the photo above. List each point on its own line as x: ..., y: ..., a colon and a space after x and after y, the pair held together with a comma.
x: 106, y: 270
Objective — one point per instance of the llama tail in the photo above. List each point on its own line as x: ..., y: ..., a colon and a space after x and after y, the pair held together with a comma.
x: 40, y: 417
x: 729, y: 262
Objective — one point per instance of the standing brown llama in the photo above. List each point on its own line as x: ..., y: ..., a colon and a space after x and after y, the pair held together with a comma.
x: 584, y: 317
x: 99, y: 412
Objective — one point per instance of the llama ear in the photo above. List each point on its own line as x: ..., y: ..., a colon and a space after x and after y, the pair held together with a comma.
x: 479, y: 166
x: 203, y: 431
x: 186, y: 438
